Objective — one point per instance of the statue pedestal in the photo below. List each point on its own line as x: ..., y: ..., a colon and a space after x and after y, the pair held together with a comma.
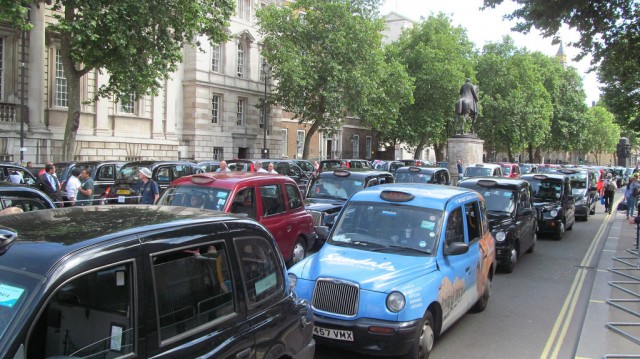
x: 466, y: 147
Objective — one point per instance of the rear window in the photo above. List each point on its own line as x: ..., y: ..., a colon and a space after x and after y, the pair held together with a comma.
x: 412, y: 177
x: 195, y: 196
x: 477, y: 171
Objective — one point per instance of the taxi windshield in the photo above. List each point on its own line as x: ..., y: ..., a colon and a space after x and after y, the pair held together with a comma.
x: 498, y: 199
x: 335, y: 187
x: 412, y: 177
x: 388, y: 227
x: 129, y: 172
x: 506, y: 170
x: 477, y: 171
x: 14, y: 290
x: 578, y: 181
x: 524, y: 169
x: 195, y: 196
x: 546, y: 190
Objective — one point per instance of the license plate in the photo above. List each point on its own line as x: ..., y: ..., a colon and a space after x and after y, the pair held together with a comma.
x: 123, y: 191
x: 336, y: 334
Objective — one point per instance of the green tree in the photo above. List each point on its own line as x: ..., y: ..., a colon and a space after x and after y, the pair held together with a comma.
x: 137, y: 42
x: 329, y: 63
x: 517, y: 108
x: 439, y: 57
x: 608, y: 30
x: 603, y: 131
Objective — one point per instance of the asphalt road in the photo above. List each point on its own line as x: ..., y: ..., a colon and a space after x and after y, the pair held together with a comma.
x: 532, y: 312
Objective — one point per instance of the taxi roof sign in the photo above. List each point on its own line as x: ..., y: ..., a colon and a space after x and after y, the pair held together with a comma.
x: 414, y: 169
x: 396, y: 196
x: 540, y: 177
x: 487, y: 183
x: 341, y: 173
x: 201, y: 179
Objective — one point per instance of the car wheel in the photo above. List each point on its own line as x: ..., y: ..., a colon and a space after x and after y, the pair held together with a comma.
x: 533, y: 244
x: 513, y: 258
x: 561, y: 231
x: 299, y: 251
x: 482, y: 302
x: 425, y: 338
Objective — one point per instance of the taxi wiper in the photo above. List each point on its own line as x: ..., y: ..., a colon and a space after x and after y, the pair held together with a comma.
x: 402, y: 248
x: 367, y: 243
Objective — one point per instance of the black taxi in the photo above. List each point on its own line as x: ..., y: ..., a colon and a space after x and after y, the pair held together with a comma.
x: 415, y: 174
x: 511, y: 216
x: 145, y: 281
x: 584, y: 188
x: 329, y: 191
x: 554, y: 201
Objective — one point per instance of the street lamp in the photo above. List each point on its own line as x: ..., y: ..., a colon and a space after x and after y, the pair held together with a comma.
x: 266, y: 68
x: 22, y: 84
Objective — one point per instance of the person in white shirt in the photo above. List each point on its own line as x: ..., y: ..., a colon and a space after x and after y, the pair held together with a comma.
x: 73, y: 184
x: 259, y: 167
x: 270, y: 169
x: 223, y: 167
x: 15, y: 177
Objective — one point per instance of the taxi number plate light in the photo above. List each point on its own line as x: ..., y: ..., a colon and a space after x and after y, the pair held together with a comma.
x: 345, y: 335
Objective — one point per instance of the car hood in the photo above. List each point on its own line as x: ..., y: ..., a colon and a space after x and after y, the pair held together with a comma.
x: 373, y: 271
x: 498, y: 219
x: 323, y: 204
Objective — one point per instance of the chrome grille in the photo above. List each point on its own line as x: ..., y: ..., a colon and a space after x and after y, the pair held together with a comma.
x: 336, y: 296
x: 317, y: 217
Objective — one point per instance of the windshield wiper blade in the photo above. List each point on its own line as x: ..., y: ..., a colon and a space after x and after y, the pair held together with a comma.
x: 396, y: 247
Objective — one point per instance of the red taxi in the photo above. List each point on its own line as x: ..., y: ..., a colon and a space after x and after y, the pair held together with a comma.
x: 273, y: 200
x: 510, y: 170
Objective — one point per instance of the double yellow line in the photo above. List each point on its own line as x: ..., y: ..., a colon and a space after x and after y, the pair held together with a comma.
x: 559, y: 332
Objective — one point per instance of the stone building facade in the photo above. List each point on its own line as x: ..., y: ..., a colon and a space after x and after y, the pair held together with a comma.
x: 210, y: 108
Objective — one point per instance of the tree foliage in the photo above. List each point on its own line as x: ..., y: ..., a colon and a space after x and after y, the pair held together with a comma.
x: 329, y: 64
x: 137, y: 42
x: 601, y: 130
x: 439, y: 57
x: 609, y: 30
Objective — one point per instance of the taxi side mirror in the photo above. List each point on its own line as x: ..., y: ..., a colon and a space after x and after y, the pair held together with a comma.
x: 322, y: 231
x: 525, y: 211
x: 456, y: 248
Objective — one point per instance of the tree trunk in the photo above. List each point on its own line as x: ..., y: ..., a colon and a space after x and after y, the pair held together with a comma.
x: 438, y: 151
x: 419, y: 149
x: 307, y: 138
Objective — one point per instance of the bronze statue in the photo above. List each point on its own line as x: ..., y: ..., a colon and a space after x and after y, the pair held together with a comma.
x: 467, y: 106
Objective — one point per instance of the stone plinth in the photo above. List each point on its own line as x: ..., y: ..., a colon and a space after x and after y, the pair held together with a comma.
x: 468, y: 148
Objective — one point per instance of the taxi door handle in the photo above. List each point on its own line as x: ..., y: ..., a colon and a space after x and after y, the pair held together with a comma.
x: 244, y: 354
x: 468, y: 269
x: 288, y: 228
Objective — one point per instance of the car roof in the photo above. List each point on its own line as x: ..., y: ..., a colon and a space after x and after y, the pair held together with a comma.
x: 420, y: 169
x: 157, y: 163
x: 230, y: 180
x: 45, y: 237
x: 425, y: 195
x: 487, y: 165
x: 556, y: 176
x: 499, y: 182
x: 355, y: 172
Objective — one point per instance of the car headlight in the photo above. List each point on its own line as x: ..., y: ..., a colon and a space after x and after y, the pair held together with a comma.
x: 501, y: 236
x: 293, y: 281
x: 395, y: 302
x: 553, y: 212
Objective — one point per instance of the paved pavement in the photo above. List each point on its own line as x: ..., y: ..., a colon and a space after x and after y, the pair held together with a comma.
x: 611, y: 328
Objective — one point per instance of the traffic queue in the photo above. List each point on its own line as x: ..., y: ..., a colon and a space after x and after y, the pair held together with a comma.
x: 400, y: 257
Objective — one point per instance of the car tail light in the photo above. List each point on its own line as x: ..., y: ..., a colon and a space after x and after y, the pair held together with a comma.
x: 106, y: 192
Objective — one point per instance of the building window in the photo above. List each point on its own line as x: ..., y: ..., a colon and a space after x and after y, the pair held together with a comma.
x: 299, y: 143
x: 369, y: 146
x: 356, y: 146
x: 240, y: 57
x: 216, y: 56
x: 217, y: 153
x: 285, y: 143
x: 244, y: 9
x: 215, y: 109
x: 128, y: 104
x: 1, y: 67
x: 240, y: 111
x: 61, y: 95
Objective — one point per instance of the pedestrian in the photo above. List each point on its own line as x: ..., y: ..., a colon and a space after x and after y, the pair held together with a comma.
x: 460, y: 169
x: 48, y: 183
x: 608, y: 190
x: 259, y: 167
x: 223, y: 167
x: 73, y: 184
x: 270, y: 169
x: 30, y: 165
x: 631, y: 194
x: 149, y: 191
x: 15, y: 177
x: 85, y: 192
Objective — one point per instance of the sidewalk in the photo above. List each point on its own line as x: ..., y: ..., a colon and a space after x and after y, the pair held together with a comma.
x: 611, y: 328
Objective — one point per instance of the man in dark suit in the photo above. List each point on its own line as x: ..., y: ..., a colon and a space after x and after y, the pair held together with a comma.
x: 48, y: 183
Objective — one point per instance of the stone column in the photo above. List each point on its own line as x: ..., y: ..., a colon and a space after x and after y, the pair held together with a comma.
x: 468, y: 148
x: 37, y: 50
x: 102, y: 126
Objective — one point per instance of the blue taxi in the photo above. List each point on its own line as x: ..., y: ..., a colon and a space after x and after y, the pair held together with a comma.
x: 402, y: 263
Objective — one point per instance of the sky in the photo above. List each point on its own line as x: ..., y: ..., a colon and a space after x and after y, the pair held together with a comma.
x: 489, y: 26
